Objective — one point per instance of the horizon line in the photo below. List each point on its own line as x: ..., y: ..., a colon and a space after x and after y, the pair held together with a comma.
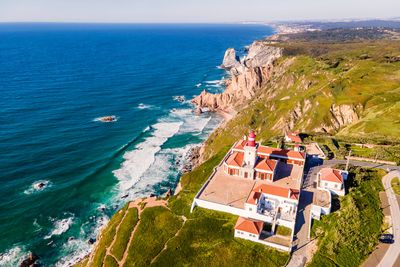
x: 212, y: 22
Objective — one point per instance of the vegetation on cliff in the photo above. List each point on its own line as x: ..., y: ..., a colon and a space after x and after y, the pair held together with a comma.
x: 345, y: 90
x: 351, y: 90
x: 347, y: 236
x: 172, y: 236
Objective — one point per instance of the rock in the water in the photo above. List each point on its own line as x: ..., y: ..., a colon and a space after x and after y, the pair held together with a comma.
x: 30, y: 261
x: 107, y: 119
x: 91, y: 240
x: 230, y: 59
x: 198, y: 111
x: 247, y: 77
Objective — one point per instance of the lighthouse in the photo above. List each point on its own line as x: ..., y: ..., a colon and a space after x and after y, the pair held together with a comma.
x: 250, y: 150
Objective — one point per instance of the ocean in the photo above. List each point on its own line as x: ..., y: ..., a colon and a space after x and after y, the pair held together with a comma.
x: 63, y: 171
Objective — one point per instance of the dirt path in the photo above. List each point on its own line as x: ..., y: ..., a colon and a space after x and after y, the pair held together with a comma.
x: 145, y: 203
x: 140, y: 205
x: 184, y: 219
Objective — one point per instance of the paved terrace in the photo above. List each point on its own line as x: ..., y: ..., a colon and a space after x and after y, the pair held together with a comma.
x: 233, y: 191
x: 227, y: 190
x: 288, y: 175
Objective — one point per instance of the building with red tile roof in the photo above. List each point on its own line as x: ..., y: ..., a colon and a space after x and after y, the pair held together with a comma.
x: 293, y: 137
x: 248, y: 159
x: 332, y: 180
x: 249, y: 225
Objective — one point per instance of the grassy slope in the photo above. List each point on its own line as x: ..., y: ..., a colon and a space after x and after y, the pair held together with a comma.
x: 206, y: 238
x: 347, y: 236
x: 336, y: 74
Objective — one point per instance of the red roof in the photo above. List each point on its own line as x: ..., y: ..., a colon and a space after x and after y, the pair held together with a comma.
x: 249, y: 226
x: 278, y: 191
x: 331, y: 175
x: 294, y: 137
x: 266, y: 165
x: 286, y: 153
x: 240, y: 145
x: 236, y: 159
x: 252, y: 197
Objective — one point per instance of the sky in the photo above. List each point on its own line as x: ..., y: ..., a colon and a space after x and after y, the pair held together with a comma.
x: 201, y: 11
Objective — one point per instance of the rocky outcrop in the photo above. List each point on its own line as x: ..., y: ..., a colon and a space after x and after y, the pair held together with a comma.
x: 339, y: 116
x: 247, y: 76
x: 343, y: 115
x: 230, y: 59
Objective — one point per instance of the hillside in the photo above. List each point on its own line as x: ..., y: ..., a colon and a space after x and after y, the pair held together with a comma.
x: 346, y: 89
x: 350, y: 90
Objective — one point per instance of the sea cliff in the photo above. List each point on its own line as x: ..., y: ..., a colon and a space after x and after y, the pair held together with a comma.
x: 247, y: 76
x: 313, y: 87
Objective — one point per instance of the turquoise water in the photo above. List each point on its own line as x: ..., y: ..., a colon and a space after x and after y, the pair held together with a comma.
x: 55, y: 80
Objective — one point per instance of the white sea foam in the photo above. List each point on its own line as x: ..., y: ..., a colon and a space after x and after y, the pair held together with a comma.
x: 60, y: 227
x: 214, y: 82
x: 146, y: 106
x: 77, y: 249
x: 167, y: 162
x: 12, y: 257
x: 179, y: 98
x: 38, y: 186
x: 191, y: 123
x: 140, y: 159
x: 198, y: 85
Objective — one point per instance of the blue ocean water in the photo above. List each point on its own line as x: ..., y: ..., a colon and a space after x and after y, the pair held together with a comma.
x: 55, y: 80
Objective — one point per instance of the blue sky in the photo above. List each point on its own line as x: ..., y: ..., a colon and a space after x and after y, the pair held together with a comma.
x: 193, y: 11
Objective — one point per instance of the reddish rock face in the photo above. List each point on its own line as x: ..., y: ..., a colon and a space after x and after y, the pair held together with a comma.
x: 247, y: 77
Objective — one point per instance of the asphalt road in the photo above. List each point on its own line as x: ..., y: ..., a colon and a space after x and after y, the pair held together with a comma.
x: 301, y: 240
x: 394, y: 249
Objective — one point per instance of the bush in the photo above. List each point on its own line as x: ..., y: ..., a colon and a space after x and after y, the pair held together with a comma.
x: 347, y: 236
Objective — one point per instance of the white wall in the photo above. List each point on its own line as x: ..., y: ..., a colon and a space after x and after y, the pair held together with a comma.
x: 246, y: 235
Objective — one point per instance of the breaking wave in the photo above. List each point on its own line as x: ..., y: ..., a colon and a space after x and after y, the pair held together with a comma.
x: 140, y: 159
x: 12, y: 257
x: 60, y: 227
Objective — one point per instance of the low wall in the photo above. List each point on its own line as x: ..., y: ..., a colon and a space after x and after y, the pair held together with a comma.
x: 274, y: 245
x: 372, y: 160
x: 232, y: 210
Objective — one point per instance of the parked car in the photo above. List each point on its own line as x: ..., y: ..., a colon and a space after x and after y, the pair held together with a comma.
x: 386, y: 238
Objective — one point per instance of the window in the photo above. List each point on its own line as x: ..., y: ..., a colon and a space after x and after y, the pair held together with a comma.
x: 326, y: 184
x: 246, y: 174
x: 250, y: 209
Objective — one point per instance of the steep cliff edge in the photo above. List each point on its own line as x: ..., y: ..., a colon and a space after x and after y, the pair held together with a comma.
x: 247, y: 76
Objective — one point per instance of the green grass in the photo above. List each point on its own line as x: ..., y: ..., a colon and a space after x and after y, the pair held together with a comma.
x: 124, y: 233
x: 192, y: 182
x: 107, y: 236
x: 110, y: 262
x: 282, y: 230
x: 207, y: 240
x: 347, y: 236
x: 157, y: 225
x: 371, y: 87
x: 395, y: 183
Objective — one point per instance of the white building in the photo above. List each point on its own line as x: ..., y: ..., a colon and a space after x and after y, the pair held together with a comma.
x: 259, y: 184
x: 332, y: 180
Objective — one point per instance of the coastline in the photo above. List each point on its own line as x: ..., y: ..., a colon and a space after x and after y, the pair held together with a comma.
x: 194, y: 159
